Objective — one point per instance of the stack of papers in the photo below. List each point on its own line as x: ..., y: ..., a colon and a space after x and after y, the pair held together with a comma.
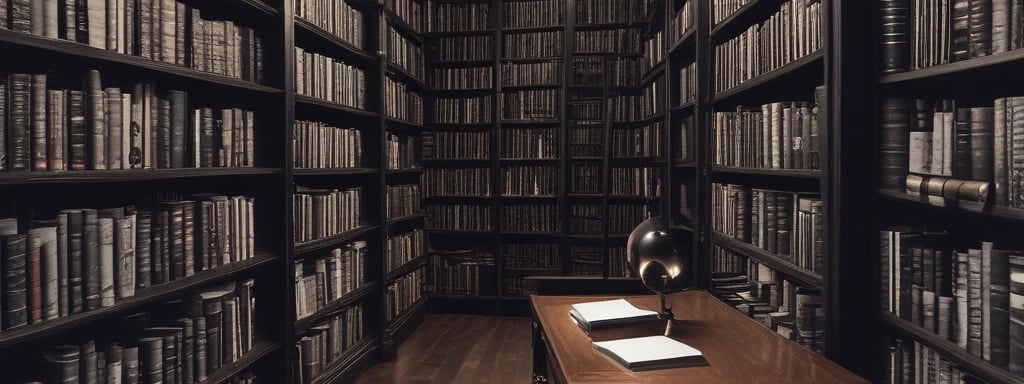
x: 651, y: 352
x: 609, y: 313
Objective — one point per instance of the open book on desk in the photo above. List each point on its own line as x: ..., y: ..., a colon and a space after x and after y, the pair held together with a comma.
x: 650, y: 352
x: 609, y: 313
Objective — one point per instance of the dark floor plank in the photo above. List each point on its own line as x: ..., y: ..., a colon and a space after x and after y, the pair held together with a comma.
x: 460, y: 349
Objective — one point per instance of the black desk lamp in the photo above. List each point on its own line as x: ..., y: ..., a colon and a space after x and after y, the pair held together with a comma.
x: 654, y: 255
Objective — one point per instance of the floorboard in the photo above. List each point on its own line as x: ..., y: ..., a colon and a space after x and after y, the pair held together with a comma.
x: 460, y: 349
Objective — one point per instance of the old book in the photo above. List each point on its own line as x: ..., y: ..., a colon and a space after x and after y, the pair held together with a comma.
x: 151, y: 359
x: 164, y: 134
x: 114, y: 126
x: 96, y: 108
x: 962, y: 270
x: 176, y: 241
x: 62, y: 364
x: 106, y: 266
x: 76, y: 265
x: 1016, y: 361
x: 158, y: 264
x: 91, y: 260
x: 134, y: 154
x: 974, y: 309
x: 63, y: 265
x: 130, y: 365
x: 124, y: 251
x: 46, y: 235
x: 143, y: 246
x: 20, y: 121
x: 986, y: 296
x: 33, y: 276
x: 114, y: 371
x: 3, y: 121
x: 999, y: 318
x: 77, y: 130
x: 982, y: 120
x: 188, y: 225
x: 1001, y: 25
x: 894, y: 142
x: 199, y: 323
x: 39, y: 133
x: 56, y: 131
x: 962, y: 156
x: 178, y: 111
x: 14, y: 284
x: 97, y: 23
x: 87, y: 362
x: 21, y: 15
x: 168, y: 19
x: 1001, y: 174
x: 895, y: 35
x: 187, y: 350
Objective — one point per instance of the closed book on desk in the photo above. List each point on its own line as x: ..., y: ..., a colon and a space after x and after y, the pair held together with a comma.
x: 609, y: 313
x: 651, y: 352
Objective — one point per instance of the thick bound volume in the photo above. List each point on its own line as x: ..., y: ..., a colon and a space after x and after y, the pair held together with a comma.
x: 895, y: 143
x: 327, y: 341
x: 651, y: 352
x: 62, y: 364
x: 895, y: 35
x: 1016, y: 356
x: 14, y: 284
x: 608, y: 313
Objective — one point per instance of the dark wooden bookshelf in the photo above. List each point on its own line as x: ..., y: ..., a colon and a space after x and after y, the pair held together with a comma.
x: 406, y: 171
x: 404, y: 75
x: 684, y: 107
x: 334, y: 171
x: 740, y: 19
x: 403, y: 27
x: 949, y: 350
x: 84, y: 52
x: 13, y: 337
x: 776, y: 262
x: 684, y: 164
x: 342, y: 367
x: 768, y: 79
x: 309, y: 246
x: 543, y: 28
x: 446, y: 63
x: 403, y: 219
x: 458, y: 232
x: 127, y: 175
x: 399, y: 323
x: 310, y: 30
x: 530, y: 86
x: 598, y: 26
x: 939, y: 72
x: 248, y: 361
x: 812, y: 174
x: 683, y: 42
x: 406, y: 268
x: 331, y: 106
x: 258, y: 5
x: 332, y: 308
x: 458, y: 33
x: 954, y: 208
x: 403, y: 124
x: 654, y: 73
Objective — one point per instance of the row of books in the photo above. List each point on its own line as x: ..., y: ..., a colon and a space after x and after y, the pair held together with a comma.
x: 106, y: 128
x: 463, y: 272
x: 546, y: 44
x: 794, y: 312
x: 586, y: 177
x: 540, y: 73
x: 404, y: 53
x: 458, y: 17
x: 401, y: 152
x: 586, y: 110
x: 459, y: 217
x: 612, y: 41
x: 456, y: 49
x: 162, y: 30
x: 639, y: 181
x: 686, y: 128
x: 512, y: 281
x: 87, y: 259
x: 637, y: 142
x: 530, y: 105
x: 322, y: 280
x: 539, y: 217
x: 610, y: 11
x: 623, y: 72
x: 791, y: 33
x: 410, y: 12
x: 462, y: 78
x: 589, y: 261
x: 188, y: 340
x: 320, y: 145
x: 529, y: 143
x: 586, y: 219
x: 654, y: 51
x: 326, y: 78
x: 922, y: 33
x: 618, y: 264
x: 400, y: 103
x: 627, y: 108
x: 781, y: 135
x: 320, y: 346
x: 335, y: 17
x: 455, y: 145
x: 455, y: 182
x: 623, y: 217
x: 530, y: 181
x: 402, y: 293
x: 909, y: 362
x: 586, y: 71
x: 531, y: 256
x: 683, y: 21
x: 962, y: 296
x: 402, y: 200
x: 464, y: 110
x: 533, y: 13
x: 722, y: 9
x: 321, y: 213
x: 688, y: 84
x: 980, y: 146
x: 404, y: 248
x: 786, y: 224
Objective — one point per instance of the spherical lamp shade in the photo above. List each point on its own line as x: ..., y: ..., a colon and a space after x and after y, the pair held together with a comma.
x: 656, y: 257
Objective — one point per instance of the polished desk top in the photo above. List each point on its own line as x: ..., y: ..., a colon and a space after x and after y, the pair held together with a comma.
x: 737, y: 348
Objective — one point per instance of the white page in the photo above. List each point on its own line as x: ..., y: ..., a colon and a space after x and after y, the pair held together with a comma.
x: 649, y: 348
x: 609, y: 309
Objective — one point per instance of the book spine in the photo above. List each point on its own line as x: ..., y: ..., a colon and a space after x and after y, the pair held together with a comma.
x: 125, y: 256
x: 164, y: 134
x: 15, y: 309
x: 96, y: 109
x: 982, y: 142
x: 39, y: 132
x: 20, y: 119
x: 168, y: 30
x: 178, y: 114
x: 91, y: 260
x: 76, y: 265
x: 57, y: 131
x: 130, y: 365
x: 106, y: 268
x: 97, y: 23
x: 143, y: 259
x: 63, y: 265
x: 114, y: 121
x: 49, y: 268
x: 33, y: 277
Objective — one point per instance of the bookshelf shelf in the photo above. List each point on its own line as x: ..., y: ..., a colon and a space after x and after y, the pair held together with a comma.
x: 531, y: 233
x: 250, y: 359
x: 683, y: 227
x: 530, y: 86
x: 457, y: 232
x: 406, y: 268
x: 407, y: 171
x: 590, y: 27
x: 584, y: 237
x: 403, y: 27
x: 510, y: 160
x: 325, y: 105
x: 81, y: 51
x: 608, y: 54
x: 458, y: 33
x: 457, y: 162
x: 741, y: 18
x: 646, y: 120
x: 543, y: 28
x: 654, y: 73
x: 529, y: 197
x: 461, y: 92
x: 798, y: 274
x: 396, y: 326
x: 405, y: 219
x: 530, y: 59
x: 456, y: 296
x: 332, y: 307
x: 949, y: 350
x: 12, y: 337
x: 342, y: 366
x: 684, y: 164
x: 803, y: 63
x: 585, y: 195
x: 334, y: 171
x: 1009, y: 58
x: 319, y: 244
x: 964, y: 208
x: 790, y: 173
x: 403, y: 124
x: 461, y: 63
x: 472, y: 199
x: 685, y: 41
x: 259, y: 6
x: 458, y: 126
x: 404, y: 75
x: 126, y: 175
x: 529, y: 122
x: 310, y: 30
x: 684, y: 107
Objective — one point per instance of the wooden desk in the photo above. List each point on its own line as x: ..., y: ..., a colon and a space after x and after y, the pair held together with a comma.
x: 738, y: 349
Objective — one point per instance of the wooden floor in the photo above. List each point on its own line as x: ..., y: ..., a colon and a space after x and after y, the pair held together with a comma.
x: 460, y: 349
